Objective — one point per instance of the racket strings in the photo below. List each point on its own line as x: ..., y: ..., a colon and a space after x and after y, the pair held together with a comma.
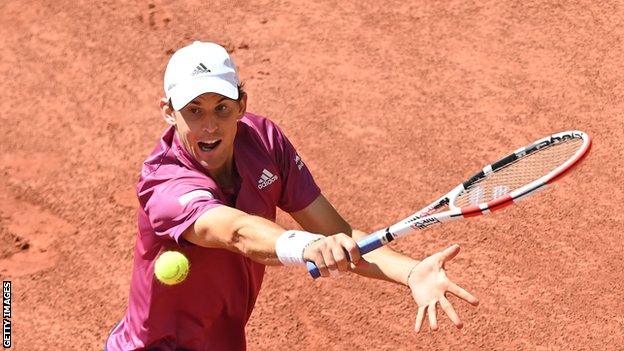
x: 518, y: 173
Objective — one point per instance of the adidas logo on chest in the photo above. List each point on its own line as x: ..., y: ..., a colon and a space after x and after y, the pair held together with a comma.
x: 266, y: 178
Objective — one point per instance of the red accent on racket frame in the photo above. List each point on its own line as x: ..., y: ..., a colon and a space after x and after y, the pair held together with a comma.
x: 471, y: 211
x: 500, y: 203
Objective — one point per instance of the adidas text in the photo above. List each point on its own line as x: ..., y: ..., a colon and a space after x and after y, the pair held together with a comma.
x: 267, y: 178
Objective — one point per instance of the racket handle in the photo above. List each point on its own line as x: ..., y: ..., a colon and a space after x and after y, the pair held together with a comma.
x: 313, y: 269
x: 365, y: 245
x: 369, y: 243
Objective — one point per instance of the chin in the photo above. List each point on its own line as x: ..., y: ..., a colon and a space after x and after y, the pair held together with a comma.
x: 211, y: 164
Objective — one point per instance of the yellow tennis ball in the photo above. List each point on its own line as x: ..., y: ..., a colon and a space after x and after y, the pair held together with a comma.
x: 171, y: 267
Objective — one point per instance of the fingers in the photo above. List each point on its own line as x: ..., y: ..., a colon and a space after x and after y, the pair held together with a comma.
x: 433, y: 318
x: 345, y: 250
x: 419, y: 318
x: 432, y: 315
x: 351, y: 248
x: 450, y: 312
x: 333, y: 254
x: 314, y: 253
x: 462, y: 294
x: 319, y: 261
x: 341, y: 250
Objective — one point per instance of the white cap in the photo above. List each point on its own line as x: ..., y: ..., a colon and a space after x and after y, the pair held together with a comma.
x: 197, y: 69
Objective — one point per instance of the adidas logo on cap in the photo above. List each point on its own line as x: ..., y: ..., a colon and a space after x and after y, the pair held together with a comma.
x: 200, y: 69
x: 267, y: 178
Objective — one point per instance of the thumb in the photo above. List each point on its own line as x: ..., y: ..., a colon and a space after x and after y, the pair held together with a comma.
x: 450, y: 252
x: 362, y: 263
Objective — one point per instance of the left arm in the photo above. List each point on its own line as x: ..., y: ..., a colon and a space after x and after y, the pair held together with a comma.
x: 426, y: 279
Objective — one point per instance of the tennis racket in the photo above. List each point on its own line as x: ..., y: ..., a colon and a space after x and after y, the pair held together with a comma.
x: 496, y: 186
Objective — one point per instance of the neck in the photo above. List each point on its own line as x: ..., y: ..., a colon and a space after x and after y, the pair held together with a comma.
x: 224, y: 175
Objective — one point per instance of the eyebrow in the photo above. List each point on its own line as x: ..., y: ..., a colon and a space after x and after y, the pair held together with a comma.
x: 196, y: 102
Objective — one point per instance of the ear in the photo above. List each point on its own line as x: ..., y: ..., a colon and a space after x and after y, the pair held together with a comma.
x: 166, y: 111
x: 242, y: 105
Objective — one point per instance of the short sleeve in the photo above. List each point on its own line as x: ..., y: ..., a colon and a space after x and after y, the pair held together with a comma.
x: 298, y: 186
x: 172, y: 204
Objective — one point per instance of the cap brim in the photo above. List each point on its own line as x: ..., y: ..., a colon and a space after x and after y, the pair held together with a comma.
x: 185, y: 93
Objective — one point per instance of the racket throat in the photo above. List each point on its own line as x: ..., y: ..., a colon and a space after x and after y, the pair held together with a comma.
x: 387, y: 237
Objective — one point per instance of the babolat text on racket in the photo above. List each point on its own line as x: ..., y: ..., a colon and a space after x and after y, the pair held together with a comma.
x: 496, y: 186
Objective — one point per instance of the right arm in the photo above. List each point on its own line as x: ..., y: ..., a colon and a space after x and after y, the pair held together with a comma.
x: 255, y: 237
x: 231, y: 229
x: 184, y: 206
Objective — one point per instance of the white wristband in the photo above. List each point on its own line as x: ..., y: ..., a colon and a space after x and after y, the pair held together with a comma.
x: 289, y: 246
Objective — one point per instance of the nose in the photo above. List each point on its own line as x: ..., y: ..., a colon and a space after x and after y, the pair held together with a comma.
x: 211, y: 125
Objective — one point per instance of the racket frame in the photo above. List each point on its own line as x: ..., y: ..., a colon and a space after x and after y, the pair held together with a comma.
x: 426, y: 218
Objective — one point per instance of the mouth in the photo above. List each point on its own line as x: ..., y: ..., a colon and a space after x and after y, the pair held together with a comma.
x: 208, y: 145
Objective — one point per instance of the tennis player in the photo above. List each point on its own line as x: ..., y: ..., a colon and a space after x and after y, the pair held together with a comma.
x: 210, y: 189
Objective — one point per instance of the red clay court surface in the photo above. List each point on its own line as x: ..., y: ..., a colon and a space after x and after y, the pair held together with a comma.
x: 389, y: 105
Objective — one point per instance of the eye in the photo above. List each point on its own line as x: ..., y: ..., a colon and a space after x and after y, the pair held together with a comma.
x: 221, y: 108
x: 195, y: 110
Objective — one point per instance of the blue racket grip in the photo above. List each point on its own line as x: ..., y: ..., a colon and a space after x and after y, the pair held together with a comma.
x: 313, y: 270
x: 366, y: 245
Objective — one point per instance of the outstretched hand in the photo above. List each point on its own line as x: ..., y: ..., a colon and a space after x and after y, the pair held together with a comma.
x: 429, y: 284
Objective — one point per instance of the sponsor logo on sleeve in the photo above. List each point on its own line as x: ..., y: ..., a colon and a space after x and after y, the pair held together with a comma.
x: 299, y: 162
x: 266, y: 178
x: 195, y: 194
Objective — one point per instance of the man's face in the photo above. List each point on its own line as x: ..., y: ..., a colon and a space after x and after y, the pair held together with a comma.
x: 207, y: 127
